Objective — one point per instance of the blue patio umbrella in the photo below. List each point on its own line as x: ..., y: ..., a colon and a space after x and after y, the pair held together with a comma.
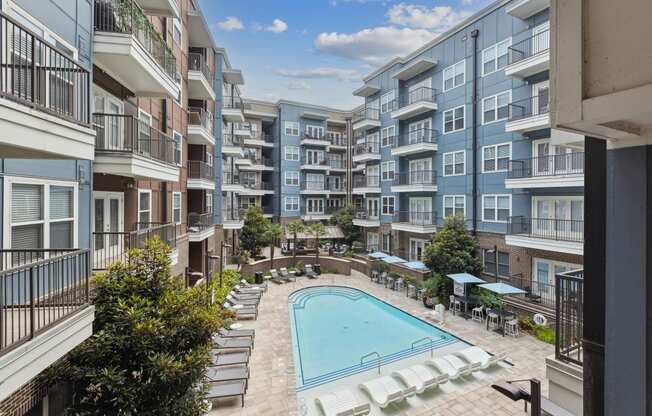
x: 393, y: 260
x: 465, y: 278
x: 417, y: 265
x: 502, y: 289
x: 377, y: 255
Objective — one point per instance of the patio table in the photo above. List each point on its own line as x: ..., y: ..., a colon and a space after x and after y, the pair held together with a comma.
x: 466, y: 300
x: 389, y: 282
x: 503, y: 316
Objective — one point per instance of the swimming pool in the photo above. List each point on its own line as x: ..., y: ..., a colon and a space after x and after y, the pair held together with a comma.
x: 333, y: 327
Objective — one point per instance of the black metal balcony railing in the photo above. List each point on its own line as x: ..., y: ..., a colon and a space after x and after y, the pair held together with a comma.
x: 366, y: 181
x: 421, y: 94
x: 263, y: 161
x: 336, y: 163
x: 126, y: 134
x: 267, y: 138
x: 125, y: 16
x: 536, y: 292
x: 235, y: 214
x: 569, y: 316
x: 547, y: 228
x: 197, y: 116
x: 200, y: 222
x: 416, y: 137
x: 526, y: 48
x: 364, y: 214
x: 229, y: 139
x: 339, y: 141
x: 197, y: 62
x: 38, y: 289
x: 418, y: 177
x: 306, y: 162
x: 325, y: 211
x: 38, y: 75
x: 230, y: 178
x: 367, y: 113
x: 259, y: 186
x: 543, y: 166
x: 322, y: 138
x: 366, y: 147
x: 529, y: 107
x: 418, y: 218
x: 198, y: 169
x: 233, y: 101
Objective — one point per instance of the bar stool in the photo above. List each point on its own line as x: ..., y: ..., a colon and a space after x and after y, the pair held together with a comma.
x: 454, y: 305
x: 493, y: 318
x: 477, y: 314
x: 511, y: 328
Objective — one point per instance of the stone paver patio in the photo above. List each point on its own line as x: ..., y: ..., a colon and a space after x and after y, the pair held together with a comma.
x: 272, y: 383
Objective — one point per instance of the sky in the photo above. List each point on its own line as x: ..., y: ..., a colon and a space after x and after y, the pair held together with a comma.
x: 318, y: 51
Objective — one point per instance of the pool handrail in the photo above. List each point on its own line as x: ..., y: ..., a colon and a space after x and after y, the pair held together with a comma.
x: 430, y: 342
x: 371, y: 354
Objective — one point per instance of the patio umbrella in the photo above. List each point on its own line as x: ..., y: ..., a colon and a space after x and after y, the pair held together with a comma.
x: 464, y: 278
x: 502, y: 289
x: 377, y: 255
x: 393, y: 260
x: 417, y: 265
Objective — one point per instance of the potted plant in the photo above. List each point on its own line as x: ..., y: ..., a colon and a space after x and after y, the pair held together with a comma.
x: 300, y: 270
x: 431, y: 294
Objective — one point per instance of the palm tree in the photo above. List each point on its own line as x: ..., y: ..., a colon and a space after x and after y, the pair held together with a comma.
x: 317, y: 230
x: 273, y: 232
x: 295, y: 227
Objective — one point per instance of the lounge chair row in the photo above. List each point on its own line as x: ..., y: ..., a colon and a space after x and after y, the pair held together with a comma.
x: 282, y: 275
x: 413, y: 380
x: 244, y: 300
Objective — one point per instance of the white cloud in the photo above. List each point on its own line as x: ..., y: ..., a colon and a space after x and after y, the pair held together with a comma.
x: 277, y: 26
x: 374, y: 46
x: 230, y: 24
x: 438, y: 18
x: 467, y: 2
x: 337, y: 73
x: 298, y: 86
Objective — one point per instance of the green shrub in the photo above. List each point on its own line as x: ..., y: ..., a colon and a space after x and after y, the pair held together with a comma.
x: 349, y: 253
x: 328, y: 270
x: 526, y: 323
x: 230, y: 278
x: 300, y: 265
x: 545, y: 334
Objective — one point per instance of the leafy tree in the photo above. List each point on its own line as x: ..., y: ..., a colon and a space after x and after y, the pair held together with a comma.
x: 150, y: 345
x: 272, y: 234
x: 295, y: 227
x: 252, y: 237
x: 452, y: 250
x: 316, y: 230
x: 344, y: 219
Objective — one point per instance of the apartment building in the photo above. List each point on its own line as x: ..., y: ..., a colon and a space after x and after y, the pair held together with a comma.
x: 426, y: 147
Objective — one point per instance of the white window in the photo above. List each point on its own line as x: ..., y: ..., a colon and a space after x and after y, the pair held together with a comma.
x: 315, y: 206
x: 495, y: 158
x: 454, y: 119
x: 386, y: 102
x: 314, y: 157
x: 417, y: 246
x: 42, y: 214
x: 291, y: 203
x: 387, y: 242
x: 454, y: 163
x: 372, y: 241
x: 144, y: 208
x: 388, y: 205
x: 176, y: 31
x: 496, y: 107
x: 455, y: 205
x: 315, y: 181
x: 387, y: 170
x: 387, y: 136
x: 291, y: 178
x: 495, y: 57
x: 176, y: 207
x: 291, y: 128
x: 489, y: 258
x: 496, y: 208
x: 209, y: 201
x: 316, y: 132
x: 178, y: 145
x: 454, y: 75
x: 292, y: 153
x: 562, y: 217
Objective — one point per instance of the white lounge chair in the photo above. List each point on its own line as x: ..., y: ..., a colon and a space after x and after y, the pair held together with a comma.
x: 342, y: 403
x: 419, y: 377
x: 250, y: 289
x: 454, y: 367
x: 385, y: 390
x: 479, y: 357
x: 259, y: 286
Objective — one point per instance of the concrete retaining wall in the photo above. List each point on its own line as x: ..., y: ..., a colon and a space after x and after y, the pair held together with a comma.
x: 340, y: 265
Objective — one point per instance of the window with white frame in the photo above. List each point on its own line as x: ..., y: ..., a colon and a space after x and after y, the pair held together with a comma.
x: 42, y: 214
x: 455, y: 205
x: 387, y: 136
x: 454, y: 119
x: 496, y: 107
x: 387, y: 242
x: 489, y: 258
x: 495, y: 158
x: 388, y: 205
x: 291, y: 203
x: 291, y: 178
x: 496, y: 208
x: 314, y: 157
x: 316, y: 132
x: 387, y: 170
x: 454, y: 163
x: 247, y: 202
x: 178, y: 145
x: 176, y: 207
x: 292, y: 153
x: 144, y: 208
x: 495, y: 57
x: 209, y: 201
x: 176, y: 31
x: 291, y: 128
x: 372, y: 241
x: 386, y: 102
x: 454, y: 75
x: 315, y: 206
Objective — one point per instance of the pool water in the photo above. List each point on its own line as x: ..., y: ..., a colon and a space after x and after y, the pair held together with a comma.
x: 333, y: 327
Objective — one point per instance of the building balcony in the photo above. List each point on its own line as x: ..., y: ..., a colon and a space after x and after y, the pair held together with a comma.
x: 46, y: 311
x: 169, y: 8
x: 200, y: 226
x: 259, y: 164
x: 126, y: 146
x: 246, y: 160
x: 524, y: 9
x: 415, y: 142
x: 367, y: 219
x: 562, y: 236
x: 322, y: 165
x: 200, y: 127
x: 315, y: 141
x: 128, y: 48
x: 259, y: 140
x: 528, y: 115
x: 366, y: 90
x: 366, y: 118
x: 325, y: 214
x: 201, y: 175
x: 414, y: 103
x: 232, y: 145
x: 201, y: 81
x: 258, y: 189
x: 243, y: 130
x: 366, y: 152
x: 232, y: 109
x: 41, y: 116
x: 268, y: 211
x: 415, y: 181
x: 199, y: 33
x: 322, y: 188
x: 233, y: 219
x: 414, y: 68
x: 231, y: 183
x: 553, y: 171
x: 366, y: 185
x: 415, y: 222
x: 530, y: 56
x: 336, y: 165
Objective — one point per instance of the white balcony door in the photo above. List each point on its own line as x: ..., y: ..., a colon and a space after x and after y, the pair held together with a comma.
x: 314, y: 157
x: 416, y: 249
x: 555, y: 159
x: 540, y: 97
x: 315, y: 206
x: 544, y: 271
x: 373, y: 178
x: 113, y: 122
x: 316, y: 132
x: 541, y: 38
x: 315, y: 181
x: 419, y: 130
x: 560, y: 218
x: 373, y: 208
x: 108, y: 222
x: 335, y: 183
x: 420, y: 211
x: 420, y: 171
